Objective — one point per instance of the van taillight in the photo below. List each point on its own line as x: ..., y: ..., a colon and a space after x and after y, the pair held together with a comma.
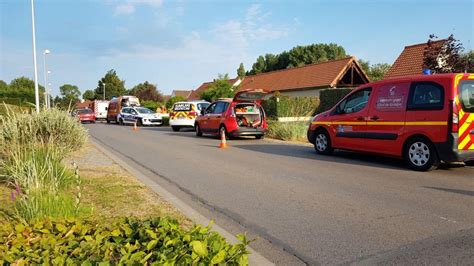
x: 171, y: 114
x: 455, y: 121
x: 192, y: 113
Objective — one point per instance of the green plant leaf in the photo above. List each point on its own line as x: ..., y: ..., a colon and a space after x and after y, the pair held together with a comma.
x: 199, y: 247
x: 219, y: 257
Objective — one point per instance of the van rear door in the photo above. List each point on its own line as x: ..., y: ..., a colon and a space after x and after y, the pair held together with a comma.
x: 465, y: 106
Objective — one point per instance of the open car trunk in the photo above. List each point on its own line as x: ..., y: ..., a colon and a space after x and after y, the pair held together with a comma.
x: 248, y: 115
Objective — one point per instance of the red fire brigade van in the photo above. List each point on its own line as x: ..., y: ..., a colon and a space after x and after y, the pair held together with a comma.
x: 424, y: 119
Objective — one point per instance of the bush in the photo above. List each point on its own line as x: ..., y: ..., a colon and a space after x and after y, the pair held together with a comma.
x: 36, y: 169
x: 293, y: 131
x: 166, y: 121
x: 52, y: 127
x: 152, y: 105
x: 158, y: 241
x: 330, y: 97
x: 173, y: 100
x: 290, y: 106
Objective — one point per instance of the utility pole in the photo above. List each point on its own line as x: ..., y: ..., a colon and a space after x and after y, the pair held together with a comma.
x: 34, y: 56
x: 104, y: 90
x: 45, y: 70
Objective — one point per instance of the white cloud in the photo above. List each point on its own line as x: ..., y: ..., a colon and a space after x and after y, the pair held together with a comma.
x: 124, y: 9
x: 128, y: 6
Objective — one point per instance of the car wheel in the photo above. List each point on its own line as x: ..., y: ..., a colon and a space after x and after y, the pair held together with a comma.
x: 175, y: 128
x: 121, y: 121
x: 198, y: 130
x: 420, y: 154
x: 322, y: 143
x: 139, y: 123
x: 260, y: 136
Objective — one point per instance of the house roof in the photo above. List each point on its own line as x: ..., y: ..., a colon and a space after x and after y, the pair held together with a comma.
x: 410, y: 61
x: 325, y: 74
x: 85, y: 104
x: 194, y: 95
x: 182, y: 93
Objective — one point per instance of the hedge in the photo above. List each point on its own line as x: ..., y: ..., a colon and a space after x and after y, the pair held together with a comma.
x: 290, y: 106
x: 330, y: 97
x: 125, y: 242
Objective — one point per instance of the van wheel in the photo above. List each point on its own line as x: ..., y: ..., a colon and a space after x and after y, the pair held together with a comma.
x: 198, y: 130
x: 260, y: 136
x: 121, y: 121
x: 322, y: 143
x: 420, y: 154
x: 108, y: 121
x: 175, y: 128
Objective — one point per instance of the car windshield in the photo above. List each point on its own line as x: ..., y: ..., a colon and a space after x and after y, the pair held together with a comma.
x: 84, y: 111
x: 143, y: 110
x: 466, y: 93
x: 202, y: 106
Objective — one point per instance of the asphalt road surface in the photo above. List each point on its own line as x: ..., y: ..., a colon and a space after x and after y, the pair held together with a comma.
x: 305, y: 208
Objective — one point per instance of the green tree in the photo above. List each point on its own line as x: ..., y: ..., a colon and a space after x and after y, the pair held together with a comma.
x: 114, y: 86
x: 88, y: 95
x: 173, y: 100
x: 220, y: 88
x: 467, y: 60
x: 147, y: 91
x: 241, y: 71
x: 69, y: 96
x: 3, y: 86
x: 376, y: 71
x: 23, y: 89
x: 298, y: 56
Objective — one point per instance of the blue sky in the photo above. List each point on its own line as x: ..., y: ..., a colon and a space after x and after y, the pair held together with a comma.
x: 180, y: 44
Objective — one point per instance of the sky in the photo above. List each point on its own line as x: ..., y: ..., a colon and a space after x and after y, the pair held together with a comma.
x: 181, y: 44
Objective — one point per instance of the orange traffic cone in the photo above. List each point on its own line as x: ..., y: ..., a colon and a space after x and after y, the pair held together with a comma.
x: 223, y: 144
x: 135, y: 128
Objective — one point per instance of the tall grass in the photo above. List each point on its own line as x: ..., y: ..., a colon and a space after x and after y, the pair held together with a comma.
x: 32, y: 147
x: 49, y: 127
x: 292, y: 131
x: 37, y: 169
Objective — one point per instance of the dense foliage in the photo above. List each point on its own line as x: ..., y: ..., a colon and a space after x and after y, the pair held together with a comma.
x: 330, y: 97
x: 21, y: 89
x: 147, y: 91
x: 220, y: 88
x: 114, y: 86
x: 375, y: 72
x: 292, y: 131
x: 158, y: 241
x: 285, y: 106
x: 174, y: 100
x: 70, y: 95
x: 447, y: 57
x: 88, y: 95
x: 298, y: 56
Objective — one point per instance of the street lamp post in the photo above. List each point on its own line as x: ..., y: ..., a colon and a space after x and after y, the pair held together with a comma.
x: 46, y: 95
x: 34, y: 56
x: 104, y: 90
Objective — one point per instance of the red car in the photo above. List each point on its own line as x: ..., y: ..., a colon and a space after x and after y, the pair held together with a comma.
x: 241, y: 116
x: 85, y: 115
x: 424, y: 119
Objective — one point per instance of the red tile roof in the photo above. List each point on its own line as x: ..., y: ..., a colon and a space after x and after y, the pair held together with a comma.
x: 410, y: 61
x: 195, y: 93
x: 325, y: 74
x: 85, y: 104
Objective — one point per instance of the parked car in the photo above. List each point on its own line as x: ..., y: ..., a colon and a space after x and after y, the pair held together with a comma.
x: 183, y: 114
x: 140, y: 115
x: 241, y: 116
x: 85, y: 115
x: 424, y: 119
x: 116, y: 105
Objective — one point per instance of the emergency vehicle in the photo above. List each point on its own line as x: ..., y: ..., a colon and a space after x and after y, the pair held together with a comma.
x: 183, y: 114
x: 117, y: 103
x: 423, y: 119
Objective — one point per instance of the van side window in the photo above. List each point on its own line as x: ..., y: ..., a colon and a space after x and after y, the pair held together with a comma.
x: 355, y: 102
x: 426, y: 96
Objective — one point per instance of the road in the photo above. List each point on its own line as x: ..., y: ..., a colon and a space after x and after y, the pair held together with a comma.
x: 305, y: 208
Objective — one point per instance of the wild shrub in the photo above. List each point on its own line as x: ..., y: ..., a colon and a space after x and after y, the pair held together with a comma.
x: 293, y: 131
x: 157, y: 241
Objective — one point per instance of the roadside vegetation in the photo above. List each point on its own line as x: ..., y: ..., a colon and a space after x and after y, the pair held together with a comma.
x: 289, y: 131
x: 50, y: 214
